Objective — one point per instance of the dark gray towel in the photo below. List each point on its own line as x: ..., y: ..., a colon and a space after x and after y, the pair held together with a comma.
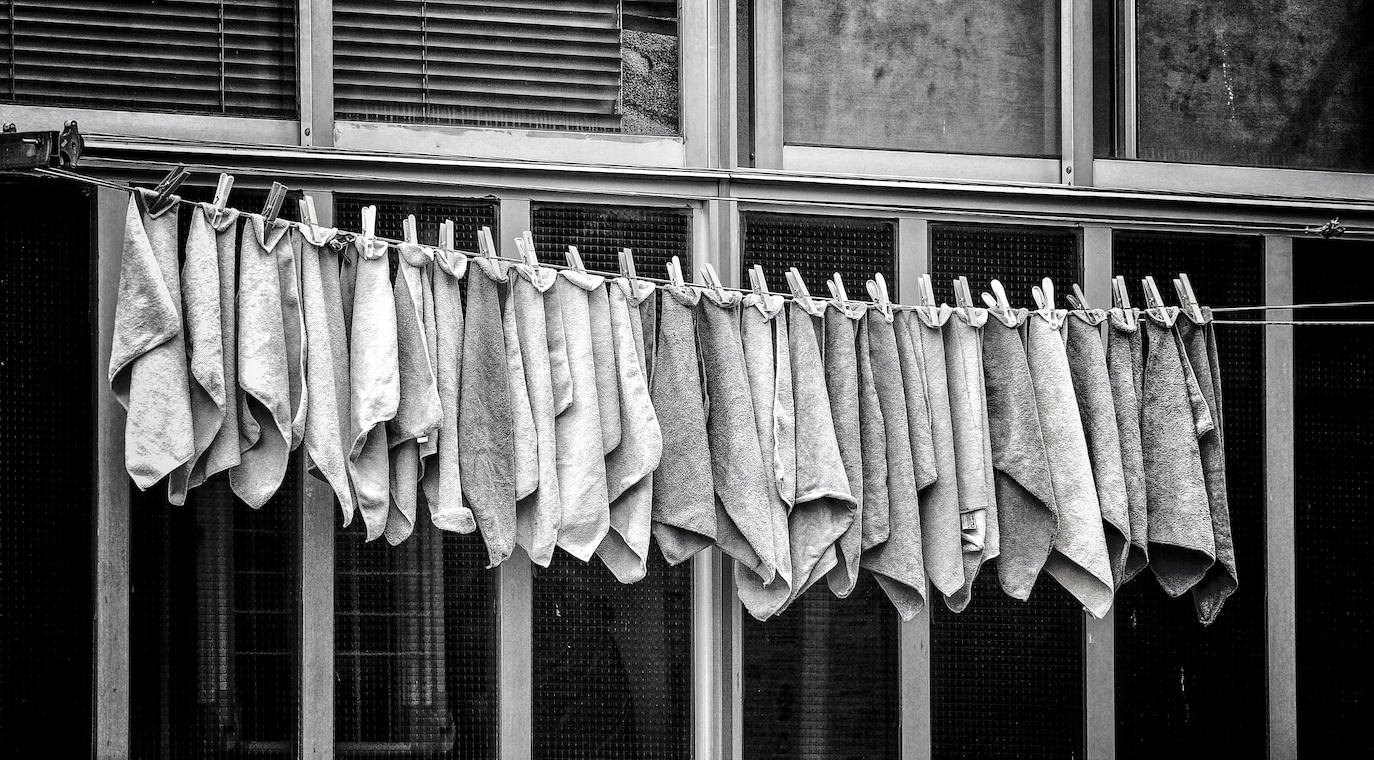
x: 1182, y: 542
x: 1125, y: 368
x: 842, y: 384
x: 293, y: 329
x: 603, y: 354
x: 526, y: 439
x: 538, y: 515
x: 1211, y: 592
x: 875, y: 523
x: 1026, y: 513
x: 224, y: 450
x: 443, y: 482
x: 486, y: 448
x: 979, y: 531
x: 374, y: 381
x: 419, y: 411
x: 684, y: 502
x: 326, y: 422
x: 897, y: 563
x: 1092, y: 386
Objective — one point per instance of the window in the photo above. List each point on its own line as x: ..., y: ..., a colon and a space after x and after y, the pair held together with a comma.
x: 590, y: 66
x: 208, y: 57
x: 953, y: 76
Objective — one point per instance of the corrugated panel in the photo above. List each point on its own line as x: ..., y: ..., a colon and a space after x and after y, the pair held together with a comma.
x: 654, y: 234
x: 415, y: 625
x: 47, y: 446
x: 1335, y: 500
x: 1182, y: 689
x: 820, y: 681
x: 1006, y: 676
x: 187, y: 56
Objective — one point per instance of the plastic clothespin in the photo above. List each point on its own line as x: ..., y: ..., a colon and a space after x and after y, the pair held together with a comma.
x: 445, y: 241
x: 272, y: 207
x: 527, y: 254
x: 222, y: 188
x: 575, y: 259
x: 1153, y: 300
x: 485, y: 235
x: 997, y: 301
x: 674, y: 268
x: 1077, y: 300
x: 1044, y: 294
x: 369, y: 215
x: 877, y: 290
x: 1122, y: 300
x: 963, y: 297
x: 1186, y: 298
x: 307, y: 208
x: 758, y: 281
x: 409, y: 232
x: 482, y: 249
x: 837, y: 291
x: 162, y: 194
x: 708, y: 273
x: 925, y: 292
x: 798, y: 287
x: 627, y: 264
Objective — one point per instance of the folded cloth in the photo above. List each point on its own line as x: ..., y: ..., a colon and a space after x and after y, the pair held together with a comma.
x: 266, y: 394
x: 684, y: 512
x: 442, y: 482
x: 537, y: 515
x: 202, y: 296
x: 1200, y: 342
x: 818, y: 487
x: 586, y: 516
x: 1125, y: 368
x: 630, y: 468
x: 767, y: 361
x: 374, y: 381
x: 875, y: 523
x: 974, y: 469
x: 941, y: 545
x: 522, y: 416
x: 148, y: 372
x: 1182, y: 540
x: 603, y: 355
x: 1026, y: 514
x: 744, y: 528
x: 841, y: 361
x: 1092, y: 386
x: 326, y: 370
x: 897, y: 563
x: 419, y: 411
x: 486, y: 426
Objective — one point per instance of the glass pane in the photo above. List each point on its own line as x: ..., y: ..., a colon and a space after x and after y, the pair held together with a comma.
x: 951, y: 76
x: 1256, y: 83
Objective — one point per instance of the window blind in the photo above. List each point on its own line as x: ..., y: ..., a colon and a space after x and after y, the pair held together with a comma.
x: 188, y: 56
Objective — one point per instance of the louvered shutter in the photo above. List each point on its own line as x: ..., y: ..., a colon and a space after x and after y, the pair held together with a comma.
x: 228, y: 57
x: 544, y: 64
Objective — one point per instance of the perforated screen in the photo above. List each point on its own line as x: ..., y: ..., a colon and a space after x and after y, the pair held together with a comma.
x: 821, y: 679
x: 415, y: 625
x: 1006, y: 676
x: 613, y: 663
x: 1181, y: 688
x: 46, y: 484
x: 1335, y: 493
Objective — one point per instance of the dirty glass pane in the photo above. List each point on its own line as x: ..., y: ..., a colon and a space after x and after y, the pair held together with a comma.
x: 952, y: 76
x: 1286, y: 83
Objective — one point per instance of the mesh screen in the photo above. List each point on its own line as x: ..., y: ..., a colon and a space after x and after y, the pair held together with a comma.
x: 1006, y: 676
x: 415, y: 625
x: 821, y: 680
x: 612, y: 663
x: 46, y: 445
x: 1180, y: 687
x: 1335, y: 492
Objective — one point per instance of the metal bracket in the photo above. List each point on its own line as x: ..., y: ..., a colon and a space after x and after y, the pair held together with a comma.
x: 40, y: 150
x: 1331, y: 229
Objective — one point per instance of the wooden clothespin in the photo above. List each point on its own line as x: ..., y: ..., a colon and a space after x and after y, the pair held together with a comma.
x: 482, y: 249
x: 963, y: 297
x: 527, y: 254
x: 708, y: 273
x: 798, y: 288
x: 222, y: 188
x: 674, y: 268
x: 409, y: 232
x: 446, y: 235
x: 485, y: 232
x: 1153, y: 300
x: 925, y: 291
x: 758, y: 281
x: 162, y: 194
x: 369, y: 215
x: 1077, y: 300
x: 627, y: 264
x: 575, y: 259
x: 275, y: 196
x: 307, y: 208
x: 1186, y: 298
x: 837, y: 291
x: 1122, y: 300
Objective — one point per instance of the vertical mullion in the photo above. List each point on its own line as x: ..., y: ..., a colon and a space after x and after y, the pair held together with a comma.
x: 112, y: 501
x: 1099, y: 636
x: 1076, y: 92
x: 704, y: 107
x: 315, y: 56
x: 1125, y: 62
x: 768, y: 129
x: 913, y: 656
x: 1279, y: 498
x: 316, y: 665
x: 305, y: 70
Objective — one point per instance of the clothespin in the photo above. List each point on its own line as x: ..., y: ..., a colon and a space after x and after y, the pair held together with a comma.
x: 1153, y: 300
x: 708, y: 273
x: 369, y: 215
x: 275, y: 196
x: 1044, y: 295
x: 925, y: 292
x: 963, y: 297
x: 529, y: 241
x: 485, y: 234
x: 798, y: 287
x: 527, y: 253
x: 307, y: 208
x: 575, y: 259
x: 408, y: 230
x: 758, y: 281
x: 1122, y: 300
x: 674, y: 268
x: 1186, y: 298
x: 482, y: 249
x: 226, y: 183
x: 446, y: 235
x: 167, y: 187
x: 837, y: 291
x: 877, y: 290
x: 1077, y: 300
x: 627, y: 264
x: 997, y: 300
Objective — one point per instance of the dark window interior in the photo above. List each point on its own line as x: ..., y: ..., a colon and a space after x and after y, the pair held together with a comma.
x: 820, y: 246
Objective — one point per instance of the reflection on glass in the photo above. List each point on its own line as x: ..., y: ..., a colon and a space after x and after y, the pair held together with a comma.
x: 1285, y: 83
x: 953, y: 76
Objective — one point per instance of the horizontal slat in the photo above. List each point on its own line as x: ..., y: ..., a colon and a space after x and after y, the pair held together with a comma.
x: 537, y: 65
x: 441, y: 75
x: 349, y: 110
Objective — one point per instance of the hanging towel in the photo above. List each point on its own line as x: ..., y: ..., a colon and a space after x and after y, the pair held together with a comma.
x: 1182, y: 541
x: 1026, y: 514
x: 327, y: 417
x: 767, y: 361
x: 201, y: 297
x: 419, y: 411
x: 265, y: 391
x: 224, y: 450
x: 443, y: 482
x: 603, y: 355
x: 875, y: 524
x: 972, y: 447
x: 586, y: 515
x: 1079, y: 560
x: 148, y: 372
x: 684, y: 510
x: 629, y: 469
x: 374, y: 381
x: 522, y: 417
x: 941, y: 544
x: 537, y: 516
x: 823, y: 505
x: 486, y: 427
x: 1211, y: 592
x: 559, y: 371
x: 293, y: 330
x: 1092, y: 386
x: 897, y: 562
x: 842, y: 385
x: 743, y: 524
x: 1125, y: 368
